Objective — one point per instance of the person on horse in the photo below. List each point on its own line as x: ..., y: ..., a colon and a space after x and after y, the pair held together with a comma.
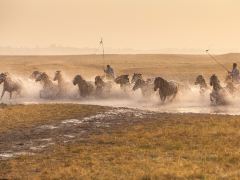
x: 109, y: 72
x: 234, y: 73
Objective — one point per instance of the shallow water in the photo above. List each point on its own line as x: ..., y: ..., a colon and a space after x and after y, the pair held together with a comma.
x: 177, y: 106
x: 189, y: 101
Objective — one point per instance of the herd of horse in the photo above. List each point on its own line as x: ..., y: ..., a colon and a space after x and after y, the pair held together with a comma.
x: 102, y: 86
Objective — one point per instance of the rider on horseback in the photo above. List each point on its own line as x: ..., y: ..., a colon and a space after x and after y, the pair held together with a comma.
x: 109, y: 72
x: 234, y: 73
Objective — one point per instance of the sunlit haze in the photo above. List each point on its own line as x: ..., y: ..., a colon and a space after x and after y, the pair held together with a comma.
x: 157, y: 26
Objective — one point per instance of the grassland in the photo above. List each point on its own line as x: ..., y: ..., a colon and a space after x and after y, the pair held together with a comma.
x: 169, y: 146
x: 21, y: 116
x: 182, y: 67
x: 166, y: 146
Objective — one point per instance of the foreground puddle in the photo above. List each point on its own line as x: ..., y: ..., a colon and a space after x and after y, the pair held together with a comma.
x: 73, y: 121
x: 40, y: 138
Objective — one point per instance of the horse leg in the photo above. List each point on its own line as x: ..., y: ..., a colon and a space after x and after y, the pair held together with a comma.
x: 10, y: 95
x: 173, y: 97
x: 2, y: 94
x: 163, y: 98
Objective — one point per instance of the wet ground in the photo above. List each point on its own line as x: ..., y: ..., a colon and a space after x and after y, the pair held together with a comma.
x: 29, y: 141
x: 191, y: 105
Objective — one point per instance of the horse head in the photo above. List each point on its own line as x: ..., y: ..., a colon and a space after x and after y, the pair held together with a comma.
x: 42, y: 77
x: 58, y: 76
x: 98, y: 81
x: 158, y: 83
x: 214, y: 80
x: 35, y: 74
x: 199, y: 80
x: 77, y: 79
x: 135, y: 77
x: 3, y: 77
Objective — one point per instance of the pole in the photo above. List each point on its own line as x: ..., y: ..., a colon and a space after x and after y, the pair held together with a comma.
x: 102, y: 45
x: 211, y: 56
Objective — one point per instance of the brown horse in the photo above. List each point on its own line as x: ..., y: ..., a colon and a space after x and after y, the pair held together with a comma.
x: 50, y: 90
x: 218, y: 94
x: 9, y: 85
x: 202, y: 84
x: 35, y: 74
x: 167, y: 89
x: 135, y: 77
x: 102, y: 87
x: 85, y: 88
x: 123, y: 81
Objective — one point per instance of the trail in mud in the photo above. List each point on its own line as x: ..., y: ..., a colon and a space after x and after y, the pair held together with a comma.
x: 30, y: 141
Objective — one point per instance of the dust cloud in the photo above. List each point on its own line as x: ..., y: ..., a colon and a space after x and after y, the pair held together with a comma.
x: 188, y: 100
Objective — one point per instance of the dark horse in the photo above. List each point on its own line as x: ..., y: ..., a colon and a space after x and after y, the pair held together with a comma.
x: 202, y: 84
x: 35, y: 74
x: 167, y: 89
x: 123, y: 81
x: 218, y: 94
x: 85, y: 88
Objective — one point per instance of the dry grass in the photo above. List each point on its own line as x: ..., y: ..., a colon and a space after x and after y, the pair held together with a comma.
x: 169, y: 147
x: 182, y: 67
x: 20, y: 116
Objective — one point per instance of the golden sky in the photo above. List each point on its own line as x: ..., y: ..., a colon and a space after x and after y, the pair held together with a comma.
x: 137, y: 24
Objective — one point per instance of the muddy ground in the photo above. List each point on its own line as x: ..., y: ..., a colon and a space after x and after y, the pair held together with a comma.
x: 35, y: 139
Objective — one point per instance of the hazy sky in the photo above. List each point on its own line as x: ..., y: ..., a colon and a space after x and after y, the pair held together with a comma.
x: 138, y: 24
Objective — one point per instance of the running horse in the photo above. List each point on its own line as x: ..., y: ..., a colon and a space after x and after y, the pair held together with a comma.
x: 123, y: 81
x: 9, y: 85
x: 167, y: 89
x: 145, y: 86
x: 135, y: 77
x: 62, y: 85
x: 50, y: 90
x: 218, y: 94
x: 85, y: 88
x: 202, y: 84
x: 35, y: 74
x: 101, y: 86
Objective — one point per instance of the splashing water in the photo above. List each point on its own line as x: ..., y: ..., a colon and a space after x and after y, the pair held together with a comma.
x: 187, y: 101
